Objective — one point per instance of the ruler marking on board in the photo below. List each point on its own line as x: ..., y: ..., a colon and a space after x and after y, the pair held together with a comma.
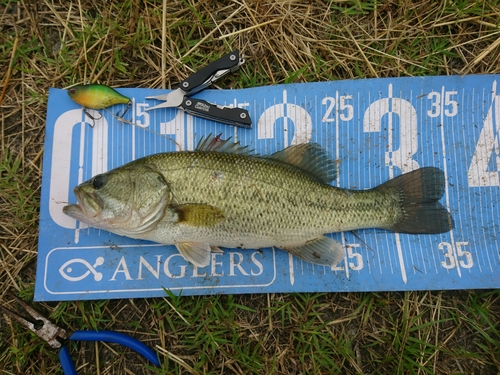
x: 494, y: 112
x: 414, y: 262
x: 484, y: 116
x: 133, y: 130
x: 470, y: 105
x: 368, y: 264
x: 494, y: 135
x: 483, y: 122
x: 378, y: 257
x: 390, y: 139
x: 81, y: 159
x: 453, y: 152
x: 346, y: 259
x: 445, y: 170
x: 495, y: 120
x: 425, y: 262
x: 428, y: 107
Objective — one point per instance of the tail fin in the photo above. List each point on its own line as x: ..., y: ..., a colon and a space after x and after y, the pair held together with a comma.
x: 420, y: 191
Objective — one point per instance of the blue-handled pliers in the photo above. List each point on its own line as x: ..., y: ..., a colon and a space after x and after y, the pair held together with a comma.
x: 55, y: 337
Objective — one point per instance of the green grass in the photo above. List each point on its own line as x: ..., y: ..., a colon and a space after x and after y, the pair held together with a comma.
x: 16, y: 192
x: 119, y: 43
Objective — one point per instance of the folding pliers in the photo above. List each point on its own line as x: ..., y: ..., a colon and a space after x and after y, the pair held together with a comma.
x: 203, y: 78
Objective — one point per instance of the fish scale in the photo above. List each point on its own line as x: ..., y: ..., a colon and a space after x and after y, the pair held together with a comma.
x: 248, y: 197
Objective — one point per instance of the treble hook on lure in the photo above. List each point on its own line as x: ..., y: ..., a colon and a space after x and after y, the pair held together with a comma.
x: 97, y: 96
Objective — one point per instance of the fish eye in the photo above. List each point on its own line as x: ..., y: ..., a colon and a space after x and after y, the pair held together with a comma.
x: 99, y: 181
x: 72, y: 91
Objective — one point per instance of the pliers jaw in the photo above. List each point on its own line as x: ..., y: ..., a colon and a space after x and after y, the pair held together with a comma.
x: 40, y: 325
x: 172, y: 99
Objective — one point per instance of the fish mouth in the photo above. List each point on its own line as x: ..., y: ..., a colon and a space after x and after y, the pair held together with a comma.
x: 87, y: 207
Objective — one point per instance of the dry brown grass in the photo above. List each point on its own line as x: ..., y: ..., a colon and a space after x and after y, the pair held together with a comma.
x: 125, y: 43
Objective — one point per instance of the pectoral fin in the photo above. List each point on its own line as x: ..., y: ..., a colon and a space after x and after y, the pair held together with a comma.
x: 322, y: 250
x: 198, y: 215
x: 197, y: 253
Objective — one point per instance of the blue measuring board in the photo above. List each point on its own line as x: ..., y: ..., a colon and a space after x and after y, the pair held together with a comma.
x: 375, y: 128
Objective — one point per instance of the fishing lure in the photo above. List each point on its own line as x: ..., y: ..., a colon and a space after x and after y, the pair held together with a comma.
x: 96, y: 96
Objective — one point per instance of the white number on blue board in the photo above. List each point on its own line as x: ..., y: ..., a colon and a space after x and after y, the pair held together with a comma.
x: 450, y: 105
x: 356, y: 260
x: 463, y: 257
x: 345, y: 109
x: 141, y: 113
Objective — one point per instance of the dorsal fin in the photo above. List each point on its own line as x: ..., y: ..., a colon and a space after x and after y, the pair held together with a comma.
x: 311, y: 158
x: 216, y: 144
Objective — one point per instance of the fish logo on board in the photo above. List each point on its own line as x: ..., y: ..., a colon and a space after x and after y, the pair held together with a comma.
x: 68, y: 268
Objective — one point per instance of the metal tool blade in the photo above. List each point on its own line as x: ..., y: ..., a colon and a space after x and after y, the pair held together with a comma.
x: 48, y: 331
x: 172, y: 99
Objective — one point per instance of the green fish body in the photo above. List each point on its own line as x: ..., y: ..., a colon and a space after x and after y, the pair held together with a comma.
x: 96, y: 96
x: 222, y: 196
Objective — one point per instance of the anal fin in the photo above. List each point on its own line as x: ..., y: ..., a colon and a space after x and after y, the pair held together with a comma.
x: 322, y: 250
x: 197, y: 253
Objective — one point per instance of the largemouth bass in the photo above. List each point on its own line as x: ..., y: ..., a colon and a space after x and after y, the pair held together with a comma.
x: 220, y: 195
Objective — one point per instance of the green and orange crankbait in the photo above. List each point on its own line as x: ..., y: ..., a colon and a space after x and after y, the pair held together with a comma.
x: 96, y: 96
